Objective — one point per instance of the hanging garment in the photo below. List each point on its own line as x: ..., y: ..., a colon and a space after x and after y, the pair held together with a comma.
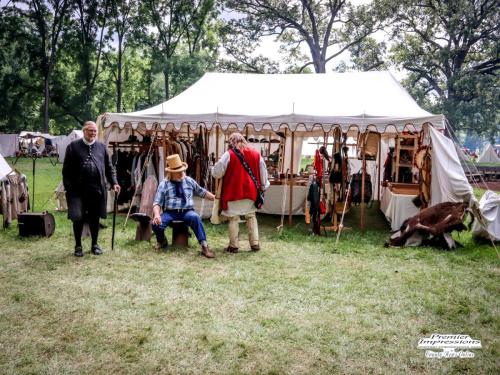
x: 336, y: 172
x: 318, y: 164
x: 388, y: 167
x: 4, y: 204
x: 313, y: 197
x: 356, y: 188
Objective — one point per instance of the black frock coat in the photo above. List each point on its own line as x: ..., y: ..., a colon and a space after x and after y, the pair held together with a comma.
x: 76, y: 153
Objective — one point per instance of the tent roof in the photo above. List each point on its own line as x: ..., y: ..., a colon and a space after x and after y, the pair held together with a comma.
x: 297, y: 101
x: 28, y: 135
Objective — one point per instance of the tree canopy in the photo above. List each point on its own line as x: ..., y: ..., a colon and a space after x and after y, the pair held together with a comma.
x: 63, y: 62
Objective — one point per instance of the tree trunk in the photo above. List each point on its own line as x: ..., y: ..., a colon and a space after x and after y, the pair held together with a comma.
x: 46, y: 93
x: 318, y: 61
x: 167, y: 88
x: 119, y: 79
x: 150, y: 83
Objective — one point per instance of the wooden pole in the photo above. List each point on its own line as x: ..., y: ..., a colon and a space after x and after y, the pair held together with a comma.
x: 165, y: 146
x: 216, y: 142
x: 379, y: 166
x: 363, y: 204
x: 292, y: 181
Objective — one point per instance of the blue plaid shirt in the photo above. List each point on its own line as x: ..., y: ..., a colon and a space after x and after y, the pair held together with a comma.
x: 167, y: 200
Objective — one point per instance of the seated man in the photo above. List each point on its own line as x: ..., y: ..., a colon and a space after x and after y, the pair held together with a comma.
x: 175, y: 197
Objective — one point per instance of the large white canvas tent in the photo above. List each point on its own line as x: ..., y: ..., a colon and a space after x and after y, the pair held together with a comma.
x: 301, y: 102
x: 488, y: 155
x: 299, y: 106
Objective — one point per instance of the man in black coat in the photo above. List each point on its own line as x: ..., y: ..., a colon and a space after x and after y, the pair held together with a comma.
x: 86, y: 170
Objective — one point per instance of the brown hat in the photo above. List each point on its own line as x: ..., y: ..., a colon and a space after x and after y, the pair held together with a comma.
x: 174, y: 164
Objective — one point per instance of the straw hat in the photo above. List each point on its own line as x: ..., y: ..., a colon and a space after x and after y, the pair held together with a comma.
x: 174, y: 164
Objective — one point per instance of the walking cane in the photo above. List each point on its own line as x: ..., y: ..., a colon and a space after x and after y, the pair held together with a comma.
x: 115, y: 209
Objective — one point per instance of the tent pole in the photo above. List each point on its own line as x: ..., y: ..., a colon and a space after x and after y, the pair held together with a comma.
x: 292, y: 181
x: 33, y: 157
x: 363, y: 204
x: 165, y: 145
x: 282, y: 166
x: 216, y: 142
x: 379, y: 170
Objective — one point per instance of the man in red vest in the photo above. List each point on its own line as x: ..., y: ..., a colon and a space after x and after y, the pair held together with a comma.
x: 240, y: 187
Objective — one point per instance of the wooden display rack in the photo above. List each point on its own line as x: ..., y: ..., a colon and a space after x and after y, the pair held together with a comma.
x: 405, y: 143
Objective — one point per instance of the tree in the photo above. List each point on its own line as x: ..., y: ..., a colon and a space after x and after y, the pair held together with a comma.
x: 20, y: 86
x: 450, y: 48
x: 313, y: 22
x: 366, y: 56
x: 49, y: 20
x: 123, y: 14
x: 177, y: 23
x: 90, y: 20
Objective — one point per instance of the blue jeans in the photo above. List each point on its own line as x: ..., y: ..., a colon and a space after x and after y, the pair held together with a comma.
x: 191, y: 218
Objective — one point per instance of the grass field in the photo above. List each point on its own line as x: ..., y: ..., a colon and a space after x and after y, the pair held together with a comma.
x: 298, y: 306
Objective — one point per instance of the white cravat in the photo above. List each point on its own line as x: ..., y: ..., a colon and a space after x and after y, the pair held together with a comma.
x: 88, y: 143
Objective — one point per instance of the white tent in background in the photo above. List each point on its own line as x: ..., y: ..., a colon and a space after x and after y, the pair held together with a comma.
x: 490, y: 209
x: 8, y: 144
x: 62, y: 144
x: 488, y: 155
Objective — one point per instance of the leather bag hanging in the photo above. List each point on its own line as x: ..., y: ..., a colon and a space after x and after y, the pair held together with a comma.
x: 368, y: 141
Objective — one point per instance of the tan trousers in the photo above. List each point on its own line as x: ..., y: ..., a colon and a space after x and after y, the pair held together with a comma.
x: 252, y: 228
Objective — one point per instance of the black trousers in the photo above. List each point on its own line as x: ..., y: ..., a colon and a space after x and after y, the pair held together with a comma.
x: 91, y: 203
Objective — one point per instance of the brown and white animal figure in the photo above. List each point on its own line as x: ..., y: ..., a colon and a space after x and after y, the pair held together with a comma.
x: 433, y: 223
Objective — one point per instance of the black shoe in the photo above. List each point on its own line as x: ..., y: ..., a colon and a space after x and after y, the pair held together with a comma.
x: 96, y: 250
x: 78, y: 251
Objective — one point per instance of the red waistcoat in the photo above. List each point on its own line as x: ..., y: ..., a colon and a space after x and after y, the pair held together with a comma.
x: 237, y: 183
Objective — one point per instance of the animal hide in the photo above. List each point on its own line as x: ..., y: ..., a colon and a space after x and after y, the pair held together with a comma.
x: 435, y: 224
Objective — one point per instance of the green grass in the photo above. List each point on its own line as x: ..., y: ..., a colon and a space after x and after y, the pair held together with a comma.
x: 297, y: 306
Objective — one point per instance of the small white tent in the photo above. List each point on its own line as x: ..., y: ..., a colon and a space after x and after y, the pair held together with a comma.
x: 488, y: 155
x: 8, y: 144
x: 62, y: 144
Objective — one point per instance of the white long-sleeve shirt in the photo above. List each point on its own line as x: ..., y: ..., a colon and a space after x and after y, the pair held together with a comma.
x: 243, y: 206
x: 219, y: 169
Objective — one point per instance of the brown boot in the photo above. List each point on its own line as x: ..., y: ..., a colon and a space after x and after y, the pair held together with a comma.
x: 205, y: 251
x: 231, y: 249
x: 255, y: 247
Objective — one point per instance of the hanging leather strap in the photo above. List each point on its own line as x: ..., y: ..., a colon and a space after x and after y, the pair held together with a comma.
x: 246, y: 166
